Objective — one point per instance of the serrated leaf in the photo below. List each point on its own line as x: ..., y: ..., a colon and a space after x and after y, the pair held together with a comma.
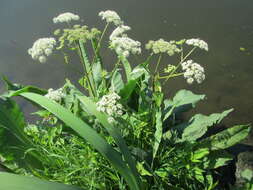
x: 226, y: 138
x: 198, y: 125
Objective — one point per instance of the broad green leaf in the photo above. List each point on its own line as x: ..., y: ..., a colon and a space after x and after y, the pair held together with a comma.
x: 12, y: 125
x: 198, y: 125
x: 217, y: 159
x: 97, y: 73
x: 14, y: 89
x: 117, y: 83
x: 16, y: 182
x: 182, y: 101
x: 226, y: 138
x: 115, y: 133
x: 88, y: 133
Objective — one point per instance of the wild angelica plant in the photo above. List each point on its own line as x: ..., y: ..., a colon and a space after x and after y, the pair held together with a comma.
x: 127, y: 123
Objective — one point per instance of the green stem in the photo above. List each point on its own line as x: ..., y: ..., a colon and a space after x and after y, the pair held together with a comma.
x: 158, y: 63
x: 103, y: 33
x: 170, y: 76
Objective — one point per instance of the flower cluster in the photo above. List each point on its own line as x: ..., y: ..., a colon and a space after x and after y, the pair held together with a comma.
x: 162, y: 46
x: 108, y: 104
x: 122, y: 44
x: 42, y: 48
x: 65, y: 17
x: 111, y: 16
x: 197, y: 43
x: 55, y: 95
x: 193, y: 71
x: 119, y: 31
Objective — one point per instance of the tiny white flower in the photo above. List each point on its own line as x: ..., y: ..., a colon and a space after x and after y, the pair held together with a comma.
x: 111, y: 16
x: 197, y: 43
x: 66, y: 17
x: 190, y: 80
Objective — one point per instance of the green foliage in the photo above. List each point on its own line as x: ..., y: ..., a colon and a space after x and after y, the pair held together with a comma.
x: 15, y: 182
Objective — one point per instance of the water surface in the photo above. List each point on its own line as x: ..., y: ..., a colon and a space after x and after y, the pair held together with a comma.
x: 226, y: 25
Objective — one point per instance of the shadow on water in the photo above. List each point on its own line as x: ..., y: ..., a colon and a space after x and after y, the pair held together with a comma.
x: 226, y: 25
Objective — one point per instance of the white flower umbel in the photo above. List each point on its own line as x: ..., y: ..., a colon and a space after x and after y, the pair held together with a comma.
x: 197, y: 43
x: 109, y: 105
x: 66, y: 17
x: 125, y: 45
x: 122, y: 44
x: 42, y: 48
x: 193, y: 72
x: 162, y: 46
x: 111, y: 16
x: 119, y: 31
x: 55, y: 95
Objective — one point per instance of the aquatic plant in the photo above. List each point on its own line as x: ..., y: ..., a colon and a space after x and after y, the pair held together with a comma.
x: 118, y: 131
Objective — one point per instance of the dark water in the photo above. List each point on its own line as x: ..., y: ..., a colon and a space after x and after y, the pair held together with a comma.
x: 226, y: 25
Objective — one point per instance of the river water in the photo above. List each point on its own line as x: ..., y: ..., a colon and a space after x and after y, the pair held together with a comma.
x: 226, y: 25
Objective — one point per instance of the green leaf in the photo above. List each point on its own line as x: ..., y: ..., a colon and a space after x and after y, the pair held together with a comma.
x: 217, y: 159
x: 199, y: 154
x: 182, y: 101
x: 97, y: 73
x: 12, y: 125
x: 88, y: 133
x: 226, y: 138
x: 16, y: 182
x: 117, y: 83
x: 198, y: 125
x: 15, y: 89
x: 142, y: 170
